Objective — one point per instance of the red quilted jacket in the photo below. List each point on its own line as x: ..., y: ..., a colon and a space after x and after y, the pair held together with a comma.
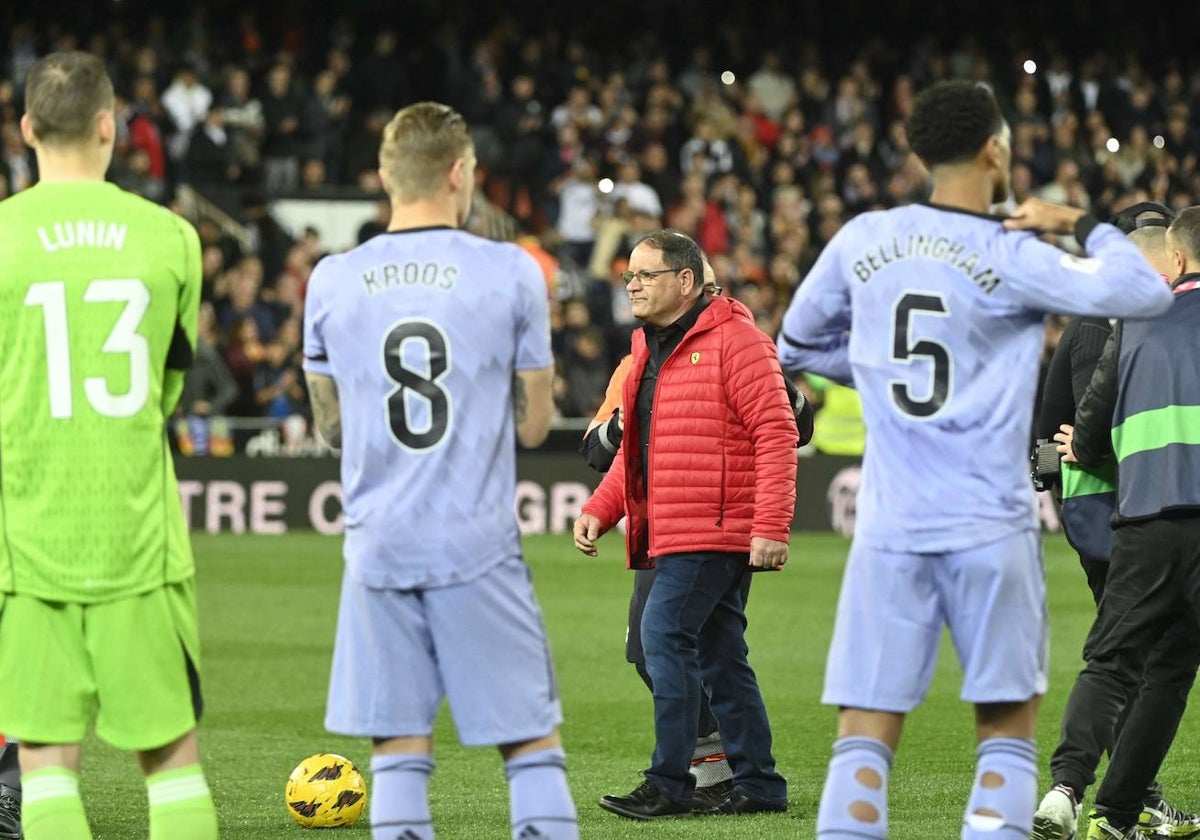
x: 723, y: 458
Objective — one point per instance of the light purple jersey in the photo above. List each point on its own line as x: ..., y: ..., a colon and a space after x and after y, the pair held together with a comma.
x: 936, y: 317
x: 423, y: 331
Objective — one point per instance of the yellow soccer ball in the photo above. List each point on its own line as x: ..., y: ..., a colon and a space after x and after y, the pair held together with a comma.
x: 325, y: 791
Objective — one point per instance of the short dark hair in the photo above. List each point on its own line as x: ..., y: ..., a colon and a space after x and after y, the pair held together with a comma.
x: 951, y: 121
x: 1185, y: 231
x: 679, y: 251
x: 63, y: 93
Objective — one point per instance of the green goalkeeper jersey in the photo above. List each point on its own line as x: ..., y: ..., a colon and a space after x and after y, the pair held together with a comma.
x: 99, y: 297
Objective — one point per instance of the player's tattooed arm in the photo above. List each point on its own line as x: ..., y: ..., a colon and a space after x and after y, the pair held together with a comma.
x: 520, y: 399
x: 327, y: 414
x: 533, y: 405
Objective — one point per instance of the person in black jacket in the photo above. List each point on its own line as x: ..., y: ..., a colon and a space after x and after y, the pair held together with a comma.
x: 1158, y: 697
x: 599, y: 448
x: 210, y: 156
x: 1141, y: 409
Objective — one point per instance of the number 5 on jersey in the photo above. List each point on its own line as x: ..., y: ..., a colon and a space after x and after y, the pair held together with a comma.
x: 905, y: 351
x: 124, y: 338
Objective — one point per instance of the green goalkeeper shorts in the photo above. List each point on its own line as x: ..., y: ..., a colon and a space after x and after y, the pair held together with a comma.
x: 132, y: 664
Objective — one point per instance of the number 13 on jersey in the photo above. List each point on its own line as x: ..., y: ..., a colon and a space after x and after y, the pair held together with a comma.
x: 123, y: 339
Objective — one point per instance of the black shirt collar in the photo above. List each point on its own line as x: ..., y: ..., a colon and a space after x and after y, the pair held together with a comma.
x: 991, y: 217
x: 684, y: 322
x: 421, y: 229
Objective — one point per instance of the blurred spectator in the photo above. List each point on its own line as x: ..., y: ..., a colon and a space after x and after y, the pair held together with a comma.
x: 17, y: 165
x: 578, y: 203
x: 146, y: 122
x: 210, y: 156
x: 287, y: 298
x: 268, y: 239
x: 212, y: 265
x: 586, y: 371
x: 775, y: 89
x: 640, y: 196
x: 137, y: 176
x: 312, y: 174
x: 381, y: 75
x: 23, y: 52
x: 1066, y: 175
x: 278, y: 383
x: 362, y: 151
x: 748, y: 223
x: 244, y: 304
x: 658, y: 174
x: 848, y: 109
x: 283, y: 142
x: 579, y: 111
x: 377, y: 224
x: 8, y: 103
x: 328, y: 114
x: 521, y: 124
x: 243, y: 119
x: 706, y: 152
x: 187, y: 101
x: 208, y: 389
x: 242, y: 357
x: 610, y: 311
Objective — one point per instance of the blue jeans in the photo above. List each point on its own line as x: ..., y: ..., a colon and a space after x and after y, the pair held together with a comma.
x: 693, y: 630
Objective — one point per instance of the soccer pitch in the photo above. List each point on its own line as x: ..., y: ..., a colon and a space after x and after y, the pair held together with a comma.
x: 267, y: 607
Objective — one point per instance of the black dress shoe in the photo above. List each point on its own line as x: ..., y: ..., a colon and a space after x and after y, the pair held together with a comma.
x: 10, y: 812
x: 647, y: 802
x: 707, y: 797
x: 739, y: 803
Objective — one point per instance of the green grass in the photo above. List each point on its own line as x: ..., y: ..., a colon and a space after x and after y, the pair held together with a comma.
x: 267, y: 607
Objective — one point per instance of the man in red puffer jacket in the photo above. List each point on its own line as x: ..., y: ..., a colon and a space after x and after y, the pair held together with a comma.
x: 706, y: 476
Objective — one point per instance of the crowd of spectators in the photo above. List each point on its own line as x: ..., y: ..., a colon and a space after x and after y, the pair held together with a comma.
x: 586, y: 148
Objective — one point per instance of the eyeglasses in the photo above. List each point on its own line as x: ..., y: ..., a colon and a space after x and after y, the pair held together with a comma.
x: 645, y: 277
x: 713, y: 291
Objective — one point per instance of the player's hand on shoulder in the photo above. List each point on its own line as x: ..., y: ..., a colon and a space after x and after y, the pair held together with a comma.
x: 767, y: 554
x: 587, y: 531
x: 1040, y: 215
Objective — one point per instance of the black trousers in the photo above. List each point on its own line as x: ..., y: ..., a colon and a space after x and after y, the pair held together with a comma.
x: 1142, y: 654
x: 643, y: 580
x: 1084, y: 739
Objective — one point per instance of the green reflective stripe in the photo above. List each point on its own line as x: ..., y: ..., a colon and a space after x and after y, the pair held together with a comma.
x: 1083, y: 481
x: 1157, y: 428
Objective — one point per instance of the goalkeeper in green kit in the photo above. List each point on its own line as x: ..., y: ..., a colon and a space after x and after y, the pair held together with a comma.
x: 99, y: 293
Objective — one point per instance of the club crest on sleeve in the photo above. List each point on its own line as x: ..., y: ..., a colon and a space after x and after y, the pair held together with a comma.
x: 695, y: 358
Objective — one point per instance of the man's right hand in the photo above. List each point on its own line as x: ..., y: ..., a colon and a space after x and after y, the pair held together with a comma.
x: 1039, y: 214
x: 587, y: 531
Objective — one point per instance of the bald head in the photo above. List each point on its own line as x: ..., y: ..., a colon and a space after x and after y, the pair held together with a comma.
x: 1152, y: 242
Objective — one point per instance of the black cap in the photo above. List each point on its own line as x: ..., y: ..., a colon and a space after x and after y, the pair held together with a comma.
x: 1127, y: 220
